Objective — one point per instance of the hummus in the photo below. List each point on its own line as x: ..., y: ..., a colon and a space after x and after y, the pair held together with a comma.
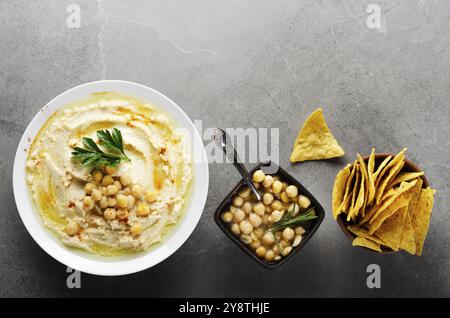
x: 160, y: 161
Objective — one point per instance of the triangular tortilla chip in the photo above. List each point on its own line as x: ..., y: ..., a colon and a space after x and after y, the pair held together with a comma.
x: 365, y: 175
x: 361, y: 197
x: 404, y: 186
x: 315, y: 140
x: 370, y: 172
x: 398, y: 203
x: 405, y: 176
x: 360, y: 241
x: 348, y: 190
x: 339, y: 189
x: 420, y: 218
x: 413, y: 196
x: 364, y: 233
x: 393, y: 168
x: 355, y: 193
x: 407, y: 242
x: 381, y: 167
x: 390, y: 232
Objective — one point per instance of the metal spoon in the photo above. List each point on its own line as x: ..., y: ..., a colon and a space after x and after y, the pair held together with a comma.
x: 223, y: 140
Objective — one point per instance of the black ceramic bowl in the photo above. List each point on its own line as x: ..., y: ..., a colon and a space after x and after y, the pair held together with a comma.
x: 310, y: 226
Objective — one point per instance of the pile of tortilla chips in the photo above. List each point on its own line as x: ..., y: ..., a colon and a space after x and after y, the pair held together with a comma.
x: 315, y: 140
x: 384, y: 206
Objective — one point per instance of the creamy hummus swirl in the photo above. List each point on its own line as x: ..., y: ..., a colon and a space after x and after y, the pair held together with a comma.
x: 160, y: 162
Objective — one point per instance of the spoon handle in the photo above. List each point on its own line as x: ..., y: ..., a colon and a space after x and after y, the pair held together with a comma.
x: 223, y: 140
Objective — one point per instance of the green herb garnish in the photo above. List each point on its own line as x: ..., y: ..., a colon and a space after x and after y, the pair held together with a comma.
x: 92, y: 156
x: 289, y: 220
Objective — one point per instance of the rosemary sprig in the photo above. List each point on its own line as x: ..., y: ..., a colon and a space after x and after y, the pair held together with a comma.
x: 92, y: 156
x: 310, y: 214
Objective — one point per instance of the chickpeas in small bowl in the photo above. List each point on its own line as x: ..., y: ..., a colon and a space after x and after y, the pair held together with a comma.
x: 273, y: 230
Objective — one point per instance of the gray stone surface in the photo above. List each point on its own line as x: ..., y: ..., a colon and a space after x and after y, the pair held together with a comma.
x: 268, y: 64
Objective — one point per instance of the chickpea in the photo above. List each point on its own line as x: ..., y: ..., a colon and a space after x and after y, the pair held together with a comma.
x: 255, y: 220
x: 258, y: 176
x: 131, y: 201
x: 112, y: 202
x: 257, y: 185
x: 103, y: 203
x: 110, y: 170
x: 287, y: 250
x: 276, y: 186
x: 276, y: 205
x: 276, y: 215
x: 107, y: 180
x: 118, y: 184
x: 288, y: 234
x: 136, y: 229
x: 122, y: 201
x: 304, y: 202
x: 232, y: 209
x: 247, y: 207
x: 143, y: 209
x: 227, y: 217
x: 88, y: 203
x: 127, y: 191
x: 277, y: 258
x: 261, y: 251
x: 284, y: 186
x: 126, y: 179
x: 96, y: 195
x: 103, y: 190
x: 275, y: 250
x: 299, y: 230
x: 270, y: 255
x: 267, y: 182
x: 239, y: 215
x: 294, y: 209
x: 72, y: 228
x: 255, y: 244
x: 268, y: 209
x: 246, y: 227
x: 238, y: 201
x: 265, y: 219
x: 297, y: 241
x: 150, y: 196
x: 292, y: 191
x: 112, y: 189
x: 284, y: 243
x: 97, y: 175
x: 137, y: 190
x: 268, y: 239
x: 259, y: 209
x: 259, y: 232
x: 284, y: 197
x: 109, y: 214
x: 235, y: 229
x: 253, y: 236
x: 89, y: 187
x: 268, y: 198
x: 246, y: 239
x: 122, y: 214
x: 244, y: 193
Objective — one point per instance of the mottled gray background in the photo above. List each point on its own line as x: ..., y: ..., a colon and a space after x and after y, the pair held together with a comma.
x: 267, y: 64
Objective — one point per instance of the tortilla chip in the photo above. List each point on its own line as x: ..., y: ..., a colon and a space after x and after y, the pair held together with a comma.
x: 366, y: 184
x: 407, y: 241
x: 348, y: 190
x: 355, y: 193
x: 315, y: 140
x: 404, y: 186
x: 390, y: 232
x: 339, y: 190
x: 364, y: 233
x: 363, y: 242
x: 413, y: 196
x: 360, y: 198
x: 370, y: 171
x: 420, y: 218
x: 381, y: 167
x: 393, y: 167
x: 398, y: 203
x: 405, y: 176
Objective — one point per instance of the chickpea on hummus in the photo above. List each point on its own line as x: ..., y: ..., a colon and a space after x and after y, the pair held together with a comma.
x: 100, y: 204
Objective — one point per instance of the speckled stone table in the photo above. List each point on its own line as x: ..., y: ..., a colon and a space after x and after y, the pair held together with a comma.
x: 267, y: 64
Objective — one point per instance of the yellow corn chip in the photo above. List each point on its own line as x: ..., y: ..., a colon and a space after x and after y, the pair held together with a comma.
x: 390, y: 232
x: 407, y: 242
x: 355, y: 193
x: 339, y: 190
x: 365, y: 178
x: 393, y: 167
x: 364, y: 233
x: 381, y: 167
x: 420, y: 218
x: 405, y: 176
x: 398, y: 203
x: 370, y: 172
x: 315, y: 140
x: 360, y: 241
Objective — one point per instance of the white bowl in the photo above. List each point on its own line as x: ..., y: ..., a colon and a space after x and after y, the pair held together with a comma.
x: 95, y: 264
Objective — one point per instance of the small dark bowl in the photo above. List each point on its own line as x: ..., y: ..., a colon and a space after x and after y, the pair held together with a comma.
x: 408, y: 167
x: 310, y: 226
